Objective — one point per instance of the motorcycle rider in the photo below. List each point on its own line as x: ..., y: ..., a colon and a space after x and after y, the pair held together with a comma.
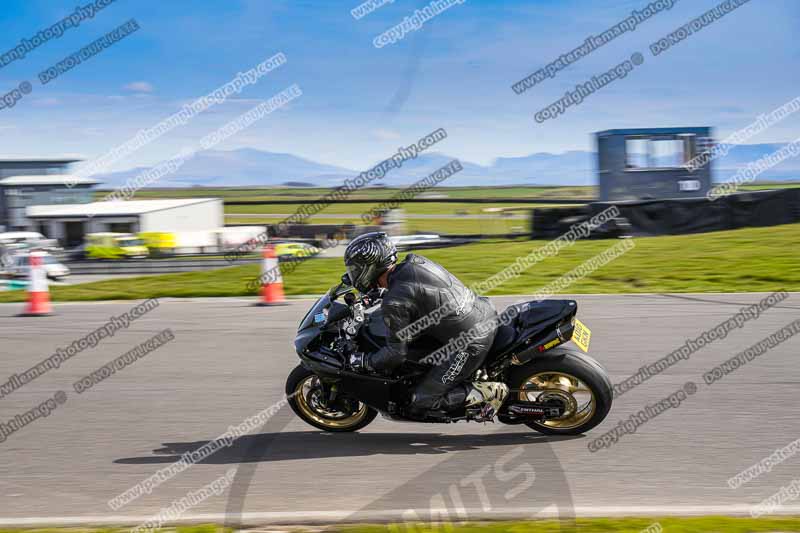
x: 418, y: 288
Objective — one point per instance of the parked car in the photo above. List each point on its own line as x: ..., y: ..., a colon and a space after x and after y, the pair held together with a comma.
x: 295, y: 250
x: 20, y: 267
x: 115, y: 246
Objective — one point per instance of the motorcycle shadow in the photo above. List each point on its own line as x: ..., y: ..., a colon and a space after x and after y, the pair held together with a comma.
x: 299, y: 445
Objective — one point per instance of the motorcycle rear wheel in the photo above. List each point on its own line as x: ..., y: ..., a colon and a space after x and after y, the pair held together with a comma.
x: 303, y: 390
x: 573, y: 378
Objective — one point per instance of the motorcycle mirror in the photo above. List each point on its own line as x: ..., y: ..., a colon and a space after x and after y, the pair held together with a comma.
x: 342, y: 288
x: 333, y: 292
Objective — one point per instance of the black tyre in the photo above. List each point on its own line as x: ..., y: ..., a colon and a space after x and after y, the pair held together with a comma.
x: 304, y: 390
x: 573, y: 378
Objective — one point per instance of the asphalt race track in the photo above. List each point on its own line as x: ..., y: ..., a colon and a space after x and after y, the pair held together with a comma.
x: 229, y: 360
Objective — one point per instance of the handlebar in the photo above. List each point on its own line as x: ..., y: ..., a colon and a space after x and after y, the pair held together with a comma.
x: 373, y: 296
x: 357, y: 306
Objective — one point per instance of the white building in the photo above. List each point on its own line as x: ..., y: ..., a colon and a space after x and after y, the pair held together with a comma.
x: 19, y: 192
x: 70, y: 223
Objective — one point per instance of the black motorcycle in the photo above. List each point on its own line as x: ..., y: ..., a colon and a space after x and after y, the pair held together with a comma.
x: 554, y: 390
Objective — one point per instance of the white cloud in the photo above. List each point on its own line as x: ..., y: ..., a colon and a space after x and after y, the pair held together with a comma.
x: 385, y: 134
x: 139, y: 87
x: 49, y: 101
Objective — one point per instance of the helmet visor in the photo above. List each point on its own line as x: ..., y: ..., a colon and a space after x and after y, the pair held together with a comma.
x: 354, y: 271
x: 360, y: 276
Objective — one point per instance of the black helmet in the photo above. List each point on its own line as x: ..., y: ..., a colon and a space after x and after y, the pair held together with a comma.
x: 367, y: 257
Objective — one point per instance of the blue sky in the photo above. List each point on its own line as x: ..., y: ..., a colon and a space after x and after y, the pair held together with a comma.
x: 360, y: 103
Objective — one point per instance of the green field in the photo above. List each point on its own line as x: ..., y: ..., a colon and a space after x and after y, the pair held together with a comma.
x: 746, y: 260
x: 303, y: 194
x: 444, y: 226
x: 450, y: 226
x: 709, y: 524
x: 356, y: 209
x: 455, y: 224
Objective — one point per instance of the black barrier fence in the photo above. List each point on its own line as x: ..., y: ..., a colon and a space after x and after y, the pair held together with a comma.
x: 677, y: 216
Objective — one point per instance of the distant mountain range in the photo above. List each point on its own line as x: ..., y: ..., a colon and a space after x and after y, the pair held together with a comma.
x: 251, y: 167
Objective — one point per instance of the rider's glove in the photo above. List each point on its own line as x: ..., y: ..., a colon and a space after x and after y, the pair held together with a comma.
x: 358, y: 362
x: 372, y: 297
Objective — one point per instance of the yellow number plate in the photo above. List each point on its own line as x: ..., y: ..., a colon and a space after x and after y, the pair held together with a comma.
x: 581, y: 335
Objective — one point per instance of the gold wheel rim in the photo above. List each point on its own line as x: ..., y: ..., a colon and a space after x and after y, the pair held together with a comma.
x: 325, y: 417
x: 576, y: 395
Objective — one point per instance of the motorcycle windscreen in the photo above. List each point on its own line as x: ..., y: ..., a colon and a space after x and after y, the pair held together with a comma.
x: 316, y: 315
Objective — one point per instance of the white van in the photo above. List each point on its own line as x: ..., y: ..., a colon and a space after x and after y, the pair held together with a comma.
x: 27, y: 239
x: 21, y: 237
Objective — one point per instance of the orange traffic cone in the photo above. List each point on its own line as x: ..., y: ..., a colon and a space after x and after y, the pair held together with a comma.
x: 271, y: 279
x: 38, y: 291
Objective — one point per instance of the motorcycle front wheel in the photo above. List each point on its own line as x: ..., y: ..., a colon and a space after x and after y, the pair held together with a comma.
x: 576, y: 380
x: 305, y: 395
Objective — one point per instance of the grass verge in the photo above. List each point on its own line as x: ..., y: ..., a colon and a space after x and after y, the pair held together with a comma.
x: 709, y: 524
x: 746, y: 260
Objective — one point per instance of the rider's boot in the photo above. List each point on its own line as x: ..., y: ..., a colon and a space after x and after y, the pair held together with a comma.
x: 491, y: 394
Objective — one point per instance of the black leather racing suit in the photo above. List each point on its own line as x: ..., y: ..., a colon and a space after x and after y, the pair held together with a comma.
x: 419, y: 288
